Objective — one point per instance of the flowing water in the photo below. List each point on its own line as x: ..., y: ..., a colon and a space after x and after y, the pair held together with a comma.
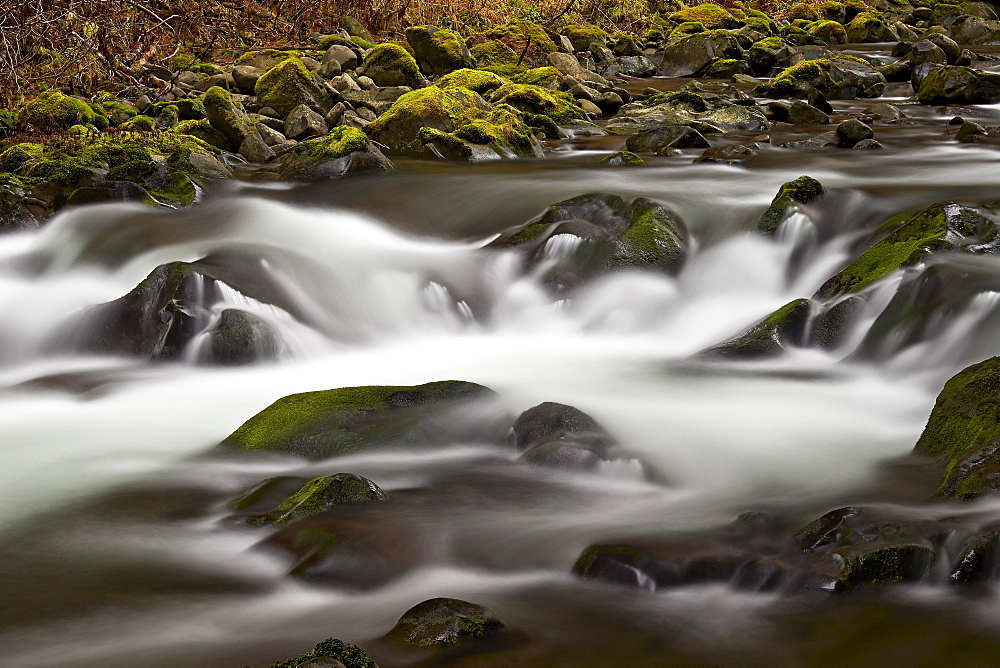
x: 113, y: 536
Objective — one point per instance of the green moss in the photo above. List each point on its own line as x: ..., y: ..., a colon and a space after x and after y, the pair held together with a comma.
x: 475, y: 80
x: 541, y: 123
x: 448, y: 42
x: 335, y: 422
x: 339, y: 142
x: 139, y: 123
x: 802, y: 10
x: 362, y: 43
x: 185, y: 109
x: 770, y: 43
x: 623, y: 159
x: 583, y: 35
x: 52, y: 110
x: 517, y: 33
x: 136, y: 171
x: 204, y: 131
x: 654, y: 36
x: 692, y: 101
x: 492, y: 53
x: 803, y: 190
x: 226, y: 116
x: 16, y: 156
x: 833, y: 10
x: 686, y: 29
x: 938, y: 226
x: 114, y: 109
x: 709, y: 14
x: 770, y: 336
x: 327, y: 41
x: 651, y: 240
x: 287, y: 85
x: 321, y: 495
x: 830, y: 32
x: 558, y: 106
x: 350, y: 655
x: 265, y: 57
x: 394, y: 57
x: 538, y: 76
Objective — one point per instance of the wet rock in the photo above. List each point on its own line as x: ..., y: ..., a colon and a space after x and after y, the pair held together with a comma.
x: 940, y: 226
x: 885, y: 112
x: 964, y: 431
x: 978, y: 560
x: 391, y: 65
x: 661, y: 140
x: 837, y: 78
x: 653, y: 566
x: 690, y: 55
x: 802, y: 113
x: 630, y: 66
x: 974, y: 30
x: 869, y: 27
x: 569, y: 65
x: 255, y: 149
x: 948, y: 46
x: 803, y: 190
x: 289, y: 84
x: 730, y: 155
x: 304, y: 123
x: 851, y: 132
x: 831, y: 326
x: 623, y: 159
x: 560, y: 436
x: 438, y: 51
x: 331, y: 653
x: 591, y: 235
x: 765, y: 54
x: 926, y: 51
x: 445, y: 622
x: 344, y: 150
x: 227, y: 116
x: 322, y: 495
x: 970, y: 132
x: 331, y: 423
x: 768, y: 338
x: 726, y: 68
x: 959, y: 85
x: 242, y: 338
x: 106, y: 191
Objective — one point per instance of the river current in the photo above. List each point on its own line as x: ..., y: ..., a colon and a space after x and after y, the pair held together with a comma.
x: 113, y: 534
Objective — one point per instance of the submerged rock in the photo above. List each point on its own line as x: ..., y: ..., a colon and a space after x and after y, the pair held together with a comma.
x: 803, y: 190
x: 591, y: 235
x: 243, y: 338
x: 939, y: 226
x: 445, y: 622
x: 321, y: 495
x: 665, y: 139
x: 769, y: 337
x: 963, y: 430
x: 560, y: 436
x: 949, y: 84
x: 331, y: 423
x: 328, y: 654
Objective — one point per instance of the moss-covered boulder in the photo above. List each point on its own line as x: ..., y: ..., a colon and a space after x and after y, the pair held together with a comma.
x: 327, y: 651
x: 336, y: 422
x: 520, y: 36
x: 558, y: 106
x: 582, y: 36
x: 770, y: 337
x: 690, y: 55
x: 944, y: 226
x: 52, y: 110
x: 343, y: 151
x: 289, y: 84
x: 623, y: 159
x: 478, y: 81
x: 453, y: 123
x: 242, y: 338
x: 966, y: 29
x: 829, y: 32
x: 701, y: 114
x: 963, y: 430
x: 803, y: 190
x: 591, y: 235
x: 445, y: 622
x: 560, y: 436
x: 708, y: 14
x: 959, y: 85
x: 493, y: 53
x: 870, y: 27
x: 438, y: 51
x: 837, y: 78
x: 263, y: 59
x: 322, y: 495
x: 227, y: 116
x: 763, y: 55
x: 391, y: 65
x: 653, y: 565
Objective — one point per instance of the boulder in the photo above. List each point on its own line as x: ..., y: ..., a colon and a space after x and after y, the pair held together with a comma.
x: 391, y: 65
x: 869, y: 27
x: 289, y: 84
x: 52, y: 110
x: 591, y: 235
x: 304, y: 123
x: 692, y: 54
x: 342, y: 55
x: 438, y: 51
x: 445, y: 622
x: 246, y: 78
x: 943, y: 226
x: 319, y: 425
x: 837, y: 78
x: 852, y: 131
x: 242, y: 338
x: 663, y: 140
x: 331, y: 653
x: 342, y: 151
x: 654, y: 565
x: 803, y: 113
x: 560, y: 436
x: 768, y: 338
x: 974, y: 30
x: 803, y: 190
x: 951, y: 84
x: 322, y: 495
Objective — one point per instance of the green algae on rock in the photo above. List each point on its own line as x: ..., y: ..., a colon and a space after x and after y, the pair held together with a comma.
x: 336, y: 422
x: 803, y: 190
x: 963, y: 430
x: 768, y: 338
x: 623, y: 159
x: 321, y: 495
x: 943, y: 226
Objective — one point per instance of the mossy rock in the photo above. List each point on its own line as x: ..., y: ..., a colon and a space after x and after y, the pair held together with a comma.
x: 289, y: 84
x: 803, y: 190
x: 768, y: 338
x: 343, y: 151
x: 492, y: 53
x: 870, y: 27
x: 392, y: 65
x: 944, y: 226
x: 204, y: 131
x: 350, y: 655
x: 829, y: 32
x: 322, y: 495
x: 837, y: 78
x: 140, y: 123
x: 691, y: 54
x: 458, y: 112
x: 445, y: 622
x: 623, y: 159
x: 558, y: 106
x: 833, y: 11
x: 963, y: 430
x: 546, y: 77
x: 686, y: 29
x: 582, y: 36
x: 708, y: 14
x: 438, y: 51
x: 653, y: 566
x: 610, y: 234
x: 227, y: 116
x: 478, y: 81
x: 264, y: 59
x: 242, y: 338
x: 52, y: 110
x: 336, y: 422
x: 520, y: 36
x: 959, y: 85
x: 802, y: 10
x: 186, y: 109
x: 116, y: 111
